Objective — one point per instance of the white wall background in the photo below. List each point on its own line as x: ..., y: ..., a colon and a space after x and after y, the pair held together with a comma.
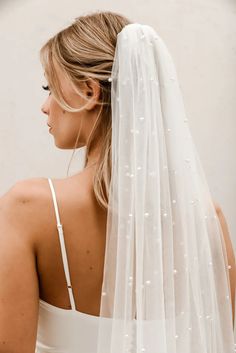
x: 201, y: 36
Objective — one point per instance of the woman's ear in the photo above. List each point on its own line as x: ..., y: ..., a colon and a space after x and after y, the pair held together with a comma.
x: 92, y: 92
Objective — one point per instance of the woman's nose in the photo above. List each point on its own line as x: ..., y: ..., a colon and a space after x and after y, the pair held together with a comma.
x: 45, y: 107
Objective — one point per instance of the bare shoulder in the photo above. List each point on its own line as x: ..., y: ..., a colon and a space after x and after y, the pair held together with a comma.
x: 28, y: 203
x: 23, y: 196
x: 24, y: 190
x: 20, y: 205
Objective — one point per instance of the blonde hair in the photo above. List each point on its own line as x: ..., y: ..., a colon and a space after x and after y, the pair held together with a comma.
x: 86, y: 50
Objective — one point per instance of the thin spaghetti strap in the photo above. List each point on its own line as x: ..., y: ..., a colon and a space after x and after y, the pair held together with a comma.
x: 63, y: 248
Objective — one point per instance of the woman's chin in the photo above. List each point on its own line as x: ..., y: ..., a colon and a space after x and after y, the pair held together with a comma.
x: 67, y: 145
x: 63, y: 146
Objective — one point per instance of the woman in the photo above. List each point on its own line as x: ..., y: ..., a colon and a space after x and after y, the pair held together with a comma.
x: 47, y: 274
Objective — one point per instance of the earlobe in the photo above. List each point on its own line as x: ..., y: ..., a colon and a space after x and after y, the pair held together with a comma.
x: 91, y: 105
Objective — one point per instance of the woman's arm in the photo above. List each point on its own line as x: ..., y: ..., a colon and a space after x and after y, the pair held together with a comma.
x: 18, y: 276
x: 230, y: 254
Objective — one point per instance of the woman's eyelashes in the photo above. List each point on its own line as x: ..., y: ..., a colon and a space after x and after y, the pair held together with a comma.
x: 46, y: 88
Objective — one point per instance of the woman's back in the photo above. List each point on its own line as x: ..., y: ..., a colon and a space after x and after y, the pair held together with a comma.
x: 84, y: 226
x: 70, y: 269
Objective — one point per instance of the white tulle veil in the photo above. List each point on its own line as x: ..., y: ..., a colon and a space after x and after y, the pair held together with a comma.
x: 166, y: 282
